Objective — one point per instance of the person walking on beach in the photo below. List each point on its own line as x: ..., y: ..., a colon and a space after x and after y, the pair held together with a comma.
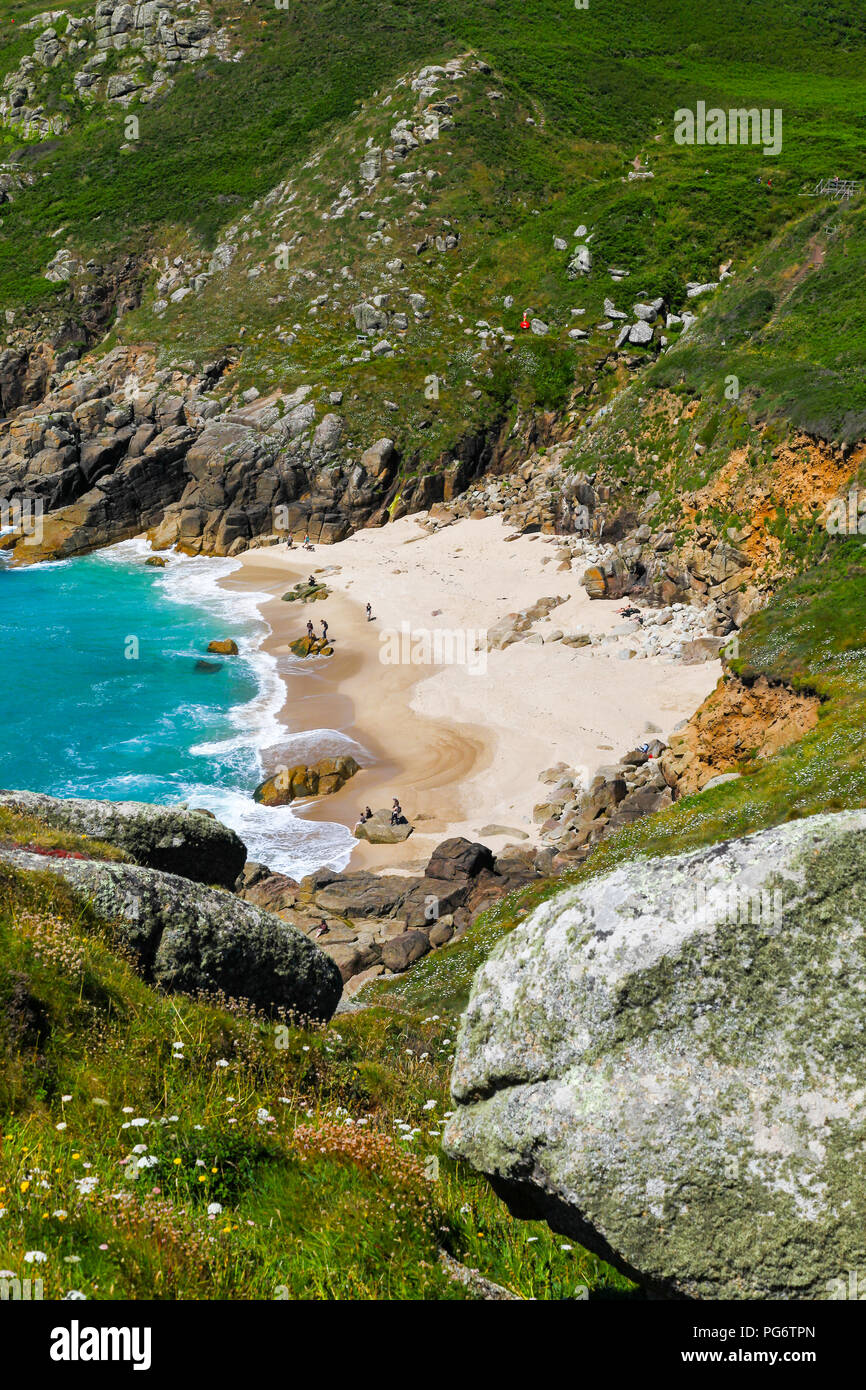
x: 369, y: 612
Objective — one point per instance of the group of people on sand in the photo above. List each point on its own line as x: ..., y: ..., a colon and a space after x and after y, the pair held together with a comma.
x: 311, y: 631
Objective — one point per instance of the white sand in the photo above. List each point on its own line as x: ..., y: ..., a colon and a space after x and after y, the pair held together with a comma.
x: 462, y: 748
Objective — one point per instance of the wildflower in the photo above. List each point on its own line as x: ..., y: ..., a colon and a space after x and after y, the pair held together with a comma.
x: 62, y: 1125
x: 148, y: 1161
x: 23, y: 1186
x: 263, y: 1117
x: 429, y: 1105
x: 2, y: 1212
x: 138, y: 1123
x: 139, y: 1149
x: 566, y: 1247
x: 72, y: 1259
x: 177, y: 1162
x: 202, y: 1177
x: 199, y: 1163
x: 65, y: 1098
x: 222, y: 1062
x: 86, y: 1185
x: 74, y: 1294
x: 97, y: 1100
x: 214, y: 1209
x: 127, y: 1110
x: 103, y: 1247
x: 172, y: 1119
x: 60, y: 1215
x: 37, y: 1257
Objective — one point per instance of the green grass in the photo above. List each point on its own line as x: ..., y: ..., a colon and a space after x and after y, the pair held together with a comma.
x: 320, y: 1147
x: 601, y: 85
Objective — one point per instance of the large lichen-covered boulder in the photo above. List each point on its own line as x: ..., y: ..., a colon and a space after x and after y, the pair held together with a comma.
x: 668, y: 1064
x: 177, y: 841
x: 184, y: 936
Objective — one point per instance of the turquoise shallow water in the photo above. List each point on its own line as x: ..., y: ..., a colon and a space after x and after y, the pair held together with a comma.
x: 102, y: 696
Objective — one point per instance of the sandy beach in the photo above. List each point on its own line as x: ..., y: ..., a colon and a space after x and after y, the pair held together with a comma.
x: 460, y: 744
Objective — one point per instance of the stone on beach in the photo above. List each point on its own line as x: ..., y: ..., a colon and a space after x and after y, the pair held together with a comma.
x: 318, y: 779
x: 379, y: 830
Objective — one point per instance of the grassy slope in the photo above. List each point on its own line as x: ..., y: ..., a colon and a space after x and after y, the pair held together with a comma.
x: 336, y: 1195
x: 602, y: 85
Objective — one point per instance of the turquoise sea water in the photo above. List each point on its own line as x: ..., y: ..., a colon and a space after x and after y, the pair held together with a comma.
x: 102, y: 695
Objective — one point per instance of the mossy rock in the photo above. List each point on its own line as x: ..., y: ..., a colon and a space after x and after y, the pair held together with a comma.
x: 307, y: 593
x: 666, y: 1064
x: 311, y: 646
x: 292, y: 783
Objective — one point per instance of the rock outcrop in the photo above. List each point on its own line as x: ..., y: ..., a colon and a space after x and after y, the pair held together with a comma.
x: 186, y: 937
x: 319, y: 779
x: 738, y: 722
x: 172, y: 839
x: 665, y: 1064
x: 370, y: 923
x: 379, y: 830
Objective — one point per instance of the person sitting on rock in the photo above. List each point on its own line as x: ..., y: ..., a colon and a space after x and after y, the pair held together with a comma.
x: 365, y: 815
x: 321, y: 929
x: 396, y: 812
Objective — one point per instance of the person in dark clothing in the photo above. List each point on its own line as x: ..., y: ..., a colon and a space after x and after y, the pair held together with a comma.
x: 369, y: 612
x: 311, y: 633
x: 396, y: 812
x: 324, y: 631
